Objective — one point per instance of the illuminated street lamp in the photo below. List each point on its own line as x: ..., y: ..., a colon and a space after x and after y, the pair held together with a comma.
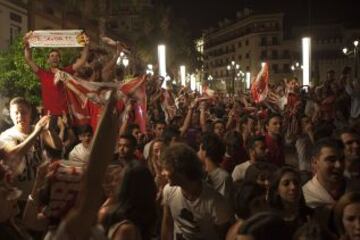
x: 355, y: 53
x: 210, y: 78
x: 306, y: 54
x: 122, y: 59
x: 296, y: 68
x: 162, y: 63
x: 149, y: 69
x: 248, y: 80
x: 183, y: 75
x: 234, y: 68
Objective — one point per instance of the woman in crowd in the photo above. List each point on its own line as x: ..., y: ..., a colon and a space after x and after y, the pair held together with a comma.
x: 134, y: 213
x: 286, y: 197
x: 347, y: 216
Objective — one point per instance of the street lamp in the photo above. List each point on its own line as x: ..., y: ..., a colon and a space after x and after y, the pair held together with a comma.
x: 122, y: 59
x: 183, y: 75
x: 296, y: 68
x: 353, y: 52
x: 149, y: 69
x: 162, y: 63
x: 210, y: 78
x: 234, y: 68
x: 306, y: 56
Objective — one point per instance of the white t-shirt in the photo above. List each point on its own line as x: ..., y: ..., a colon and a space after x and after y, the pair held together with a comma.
x: 221, y: 181
x: 79, y: 153
x: 355, y: 100
x: 146, y: 151
x: 28, y: 166
x: 316, y: 195
x: 96, y: 233
x: 239, y: 171
x: 197, y: 219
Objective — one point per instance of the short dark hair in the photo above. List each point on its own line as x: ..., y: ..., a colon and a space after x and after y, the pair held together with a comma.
x: 265, y: 224
x: 254, y: 170
x: 131, y: 127
x: 159, y: 122
x: 252, y: 140
x: 53, y: 50
x: 233, y: 141
x: 184, y: 160
x: 218, y: 121
x: 86, y: 128
x: 326, y: 142
x: 345, y: 130
x: 271, y: 116
x: 20, y: 101
x: 169, y: 133
x: 214, y: 147
x: 130, y: 138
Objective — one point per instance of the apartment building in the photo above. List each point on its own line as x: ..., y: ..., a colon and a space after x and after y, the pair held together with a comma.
x: 13, y: 20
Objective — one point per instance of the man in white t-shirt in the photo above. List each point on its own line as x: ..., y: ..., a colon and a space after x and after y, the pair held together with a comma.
x: 192, y: 209
x: 257, y: 152
x: 211, y: 153
x: 81, y: 151
x: 23, y: 153
x: 328, y: 184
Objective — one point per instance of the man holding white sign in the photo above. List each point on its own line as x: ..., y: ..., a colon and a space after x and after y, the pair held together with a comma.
x: 53, y: 93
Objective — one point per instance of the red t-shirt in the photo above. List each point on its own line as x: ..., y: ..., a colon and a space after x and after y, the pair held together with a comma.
x: 276, y: 150
x: 53, y: 95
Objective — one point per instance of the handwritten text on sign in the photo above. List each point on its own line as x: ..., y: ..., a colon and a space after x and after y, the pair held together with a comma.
x: 57, y: 38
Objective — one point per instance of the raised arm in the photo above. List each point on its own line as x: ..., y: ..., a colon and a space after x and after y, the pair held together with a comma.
x: 28, y: 53
x: 80, y: 221
x: 109, y: 67
x: 84, y: 55
x: 188, y: 118
x: 14, y: 154
x: 203, y: 116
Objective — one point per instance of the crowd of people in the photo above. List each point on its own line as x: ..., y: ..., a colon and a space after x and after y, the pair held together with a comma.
x: 201, y: 167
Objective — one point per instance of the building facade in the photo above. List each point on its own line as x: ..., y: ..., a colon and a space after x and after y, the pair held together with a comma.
x: 248, y: 41
x: 253, y: 38
x: 13, y: 20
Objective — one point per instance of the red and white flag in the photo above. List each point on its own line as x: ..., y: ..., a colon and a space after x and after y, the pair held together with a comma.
x: 260, y: 86
x: 79, y: 92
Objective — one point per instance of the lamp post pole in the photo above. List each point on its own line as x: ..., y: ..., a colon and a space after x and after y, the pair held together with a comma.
x: 234, y: 68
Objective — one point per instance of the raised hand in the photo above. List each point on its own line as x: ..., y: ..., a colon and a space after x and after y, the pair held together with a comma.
x: 43, y: 123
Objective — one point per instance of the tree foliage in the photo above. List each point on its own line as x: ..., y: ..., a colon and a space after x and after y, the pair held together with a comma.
x: 16, y: 77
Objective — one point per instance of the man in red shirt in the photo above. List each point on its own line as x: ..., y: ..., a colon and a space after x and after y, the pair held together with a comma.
x: 273, y: 140
x: 53, y: 94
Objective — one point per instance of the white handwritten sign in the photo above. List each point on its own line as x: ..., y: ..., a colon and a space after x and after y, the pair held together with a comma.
x: 57, y: 38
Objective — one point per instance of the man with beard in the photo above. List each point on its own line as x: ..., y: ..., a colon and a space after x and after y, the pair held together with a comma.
x: 257, y: 153
x: 53, y: 94
x: 351, y: 141
x: 126, y: 151
x: 328, y: 183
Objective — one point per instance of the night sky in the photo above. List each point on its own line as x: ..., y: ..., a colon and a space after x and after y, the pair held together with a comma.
x: 202, y: 14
